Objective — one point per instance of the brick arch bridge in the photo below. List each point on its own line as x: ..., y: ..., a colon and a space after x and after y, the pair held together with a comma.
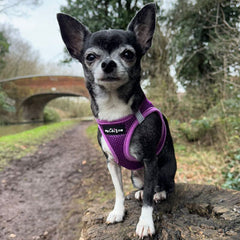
x: 30, y: 94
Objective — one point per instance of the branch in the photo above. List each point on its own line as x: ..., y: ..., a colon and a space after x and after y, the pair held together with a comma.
x: 225, y: 22
x: 17, y: 3
x: 234, y: 84
x: 217, y: 16
x: 232, y: 28
x: 10, y: 6
x: 190, y: 57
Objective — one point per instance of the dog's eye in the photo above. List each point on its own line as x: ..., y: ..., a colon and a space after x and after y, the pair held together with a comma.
x: 91, y: 57
x: 127, y: 54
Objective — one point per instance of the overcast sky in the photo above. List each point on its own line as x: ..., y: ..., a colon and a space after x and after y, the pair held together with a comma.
x: 38, y: 26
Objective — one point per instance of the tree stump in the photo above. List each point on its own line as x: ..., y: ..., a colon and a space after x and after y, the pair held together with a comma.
x: 191, y: 212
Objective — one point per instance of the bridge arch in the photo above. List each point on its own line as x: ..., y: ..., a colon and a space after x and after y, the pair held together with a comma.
x: 30, y: 94
x: 32, y: 108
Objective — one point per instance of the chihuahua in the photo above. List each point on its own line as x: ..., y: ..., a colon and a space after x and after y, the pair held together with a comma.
x: 131, y: 131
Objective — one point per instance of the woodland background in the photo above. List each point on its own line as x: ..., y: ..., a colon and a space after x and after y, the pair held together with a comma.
x: 191, y: 73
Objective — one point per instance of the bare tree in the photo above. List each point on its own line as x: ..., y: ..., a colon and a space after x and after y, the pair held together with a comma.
x: 12, y: 6
x: 21, y: 58
x: 204, y: 46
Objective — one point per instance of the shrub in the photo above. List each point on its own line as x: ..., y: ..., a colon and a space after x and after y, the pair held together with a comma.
x: 232, y: 172
x: 197, y: 129
x: 50, y: 115
x: 221, y: 123
x: 219, y: 127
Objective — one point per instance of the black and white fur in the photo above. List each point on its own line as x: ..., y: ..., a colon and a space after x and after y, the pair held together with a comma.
x: 111, y: 61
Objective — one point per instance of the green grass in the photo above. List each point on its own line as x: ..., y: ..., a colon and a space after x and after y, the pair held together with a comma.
x: 21, y: 144
x: 92, y: 133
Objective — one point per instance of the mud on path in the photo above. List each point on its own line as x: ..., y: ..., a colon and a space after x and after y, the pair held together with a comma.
x: 43, y: 196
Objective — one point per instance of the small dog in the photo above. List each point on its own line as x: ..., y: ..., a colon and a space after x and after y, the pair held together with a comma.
x: 132, y: 133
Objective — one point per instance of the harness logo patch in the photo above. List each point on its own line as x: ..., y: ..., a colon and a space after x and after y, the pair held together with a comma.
x: 114, y: 129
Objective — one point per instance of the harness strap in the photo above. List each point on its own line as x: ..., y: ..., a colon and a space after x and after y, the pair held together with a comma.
x: 139, y: 117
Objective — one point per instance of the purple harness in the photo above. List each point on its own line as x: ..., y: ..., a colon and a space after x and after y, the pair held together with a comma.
x: 118, y: 134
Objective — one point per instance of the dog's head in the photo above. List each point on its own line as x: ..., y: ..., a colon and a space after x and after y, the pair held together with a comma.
x: 110, y: 58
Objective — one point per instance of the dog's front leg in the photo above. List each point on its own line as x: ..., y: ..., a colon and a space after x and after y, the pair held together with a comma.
x: 145, y: 224
x: 117, y: 214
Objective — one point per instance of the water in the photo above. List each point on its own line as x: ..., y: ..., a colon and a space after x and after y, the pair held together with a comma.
x: 16, y: 128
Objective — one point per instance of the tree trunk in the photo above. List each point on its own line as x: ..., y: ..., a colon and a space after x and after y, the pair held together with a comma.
x: 192, y: 212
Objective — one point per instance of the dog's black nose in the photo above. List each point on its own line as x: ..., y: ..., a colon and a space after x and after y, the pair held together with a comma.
x: 108, y: 65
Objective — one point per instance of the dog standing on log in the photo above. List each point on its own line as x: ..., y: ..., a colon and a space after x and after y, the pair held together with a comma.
x: 132, y: 132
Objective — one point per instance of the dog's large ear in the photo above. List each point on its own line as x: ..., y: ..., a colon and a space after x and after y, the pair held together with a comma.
x: 143, y: 25
x: 73, y: 34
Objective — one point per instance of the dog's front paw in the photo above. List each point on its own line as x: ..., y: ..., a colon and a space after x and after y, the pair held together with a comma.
x: 144, y: 228
x: 145, y: 225
x: 115, y: 216
x: 160, y: 196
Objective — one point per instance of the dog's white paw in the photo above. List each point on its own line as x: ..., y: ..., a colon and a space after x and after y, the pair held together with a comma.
x: 145, y: 225
x: 139, y: 195
x: 144, y: 228
x: 160, y: 196
x: 115, y: 216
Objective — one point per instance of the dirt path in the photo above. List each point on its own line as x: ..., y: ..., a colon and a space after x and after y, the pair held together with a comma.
x: 42, y: 196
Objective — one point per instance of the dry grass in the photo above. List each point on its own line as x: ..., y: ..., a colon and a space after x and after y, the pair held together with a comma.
x: 198, y: 165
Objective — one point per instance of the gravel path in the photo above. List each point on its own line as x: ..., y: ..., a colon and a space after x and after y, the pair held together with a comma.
x: 37, y: 192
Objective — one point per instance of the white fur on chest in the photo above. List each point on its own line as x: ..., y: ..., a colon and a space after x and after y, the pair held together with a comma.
x: 111, y: 108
